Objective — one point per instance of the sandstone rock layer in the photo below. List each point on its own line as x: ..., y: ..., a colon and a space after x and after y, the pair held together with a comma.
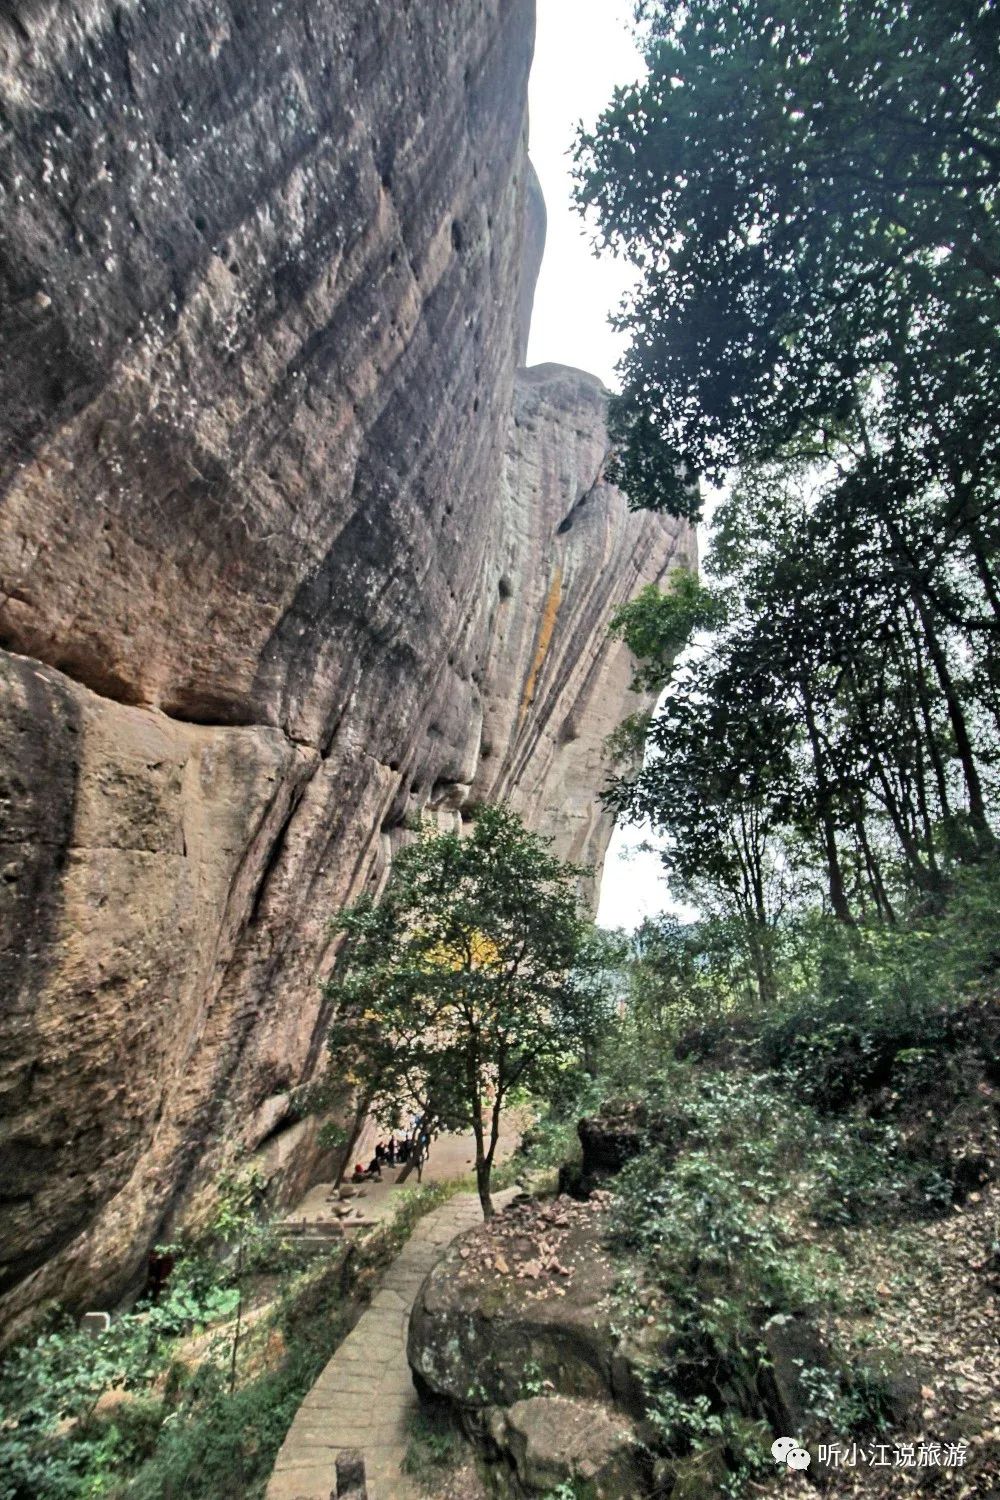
x: 285, y: 555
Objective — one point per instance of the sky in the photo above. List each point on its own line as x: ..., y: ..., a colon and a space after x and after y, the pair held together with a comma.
x: 582, y: 49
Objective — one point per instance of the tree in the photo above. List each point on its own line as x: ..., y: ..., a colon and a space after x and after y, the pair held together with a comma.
x: 663, y: 975
x: 457, y: 987
x: 685, y: 975
x: 809, y: 195
x: 658, y: 623
x: 715, y: 784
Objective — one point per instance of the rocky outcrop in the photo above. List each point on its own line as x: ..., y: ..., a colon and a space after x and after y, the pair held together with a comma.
x: 550, y: 1441
x: 608, y: 1141
x: 526, y: 1299
x: 516, y: 1328
x: 532, y: 250
x: 277, y: 569
x: 568, y: 552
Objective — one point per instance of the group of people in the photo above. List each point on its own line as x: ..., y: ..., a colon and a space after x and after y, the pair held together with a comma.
x: 392, y: 1153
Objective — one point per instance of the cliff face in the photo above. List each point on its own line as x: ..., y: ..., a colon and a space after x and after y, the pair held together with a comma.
x: 275, y: 567
x: 569, y: 552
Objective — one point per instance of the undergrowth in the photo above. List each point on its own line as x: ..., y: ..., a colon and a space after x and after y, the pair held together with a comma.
x: 187, y: 1419
x: 769, y: 1142
x: 435, y: 1446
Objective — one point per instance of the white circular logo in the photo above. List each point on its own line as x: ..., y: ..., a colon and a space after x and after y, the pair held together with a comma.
x: 781, y: 1447
x: 797, y: 1458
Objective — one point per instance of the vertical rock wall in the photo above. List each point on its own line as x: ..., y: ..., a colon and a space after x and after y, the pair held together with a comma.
x: 273, y: 570
x: 570, y: 552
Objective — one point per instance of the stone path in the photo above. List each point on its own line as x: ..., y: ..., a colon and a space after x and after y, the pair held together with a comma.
x: 365, y: 1397
x: 451, y: 1156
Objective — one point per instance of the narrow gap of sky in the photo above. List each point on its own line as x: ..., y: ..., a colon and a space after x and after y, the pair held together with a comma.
x: 584, y: 48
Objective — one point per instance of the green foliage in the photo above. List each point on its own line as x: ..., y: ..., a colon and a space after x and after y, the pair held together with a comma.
x: 471, y: 978
x: 224, y: 1442
x: 332, y: 1135
x: 569, y: 1490
x: 625, y: 745
x: 715, y: 1209
x: 691, y: 974
x: 203, y: 1437
x: 532, y: 1381
x: 658, y: 623
x: 770, y: 1136
x: 240, y: 1200
x: 53, y: 1444
x: 855, y: 1400
x: 809, y: 194
x: 810, y: 198
x: 434, y: 1446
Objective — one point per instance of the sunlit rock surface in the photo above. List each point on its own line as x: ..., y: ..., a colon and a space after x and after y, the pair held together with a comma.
x: 284, y: 557
x: 569, y: 552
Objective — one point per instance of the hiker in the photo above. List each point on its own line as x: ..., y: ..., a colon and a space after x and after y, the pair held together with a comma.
x: 390, y: 1154
x: 381, y: 1155
x: 375, y: 1169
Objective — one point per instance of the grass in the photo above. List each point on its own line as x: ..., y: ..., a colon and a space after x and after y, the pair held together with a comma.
x: 435, y: 1447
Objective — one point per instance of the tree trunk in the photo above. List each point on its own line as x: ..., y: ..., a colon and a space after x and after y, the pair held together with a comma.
x: 360, y: 1116
x: 763, y: 969
x: 835, y: 875
x: 966, y: 755
x: 882, y: 903
x: 239, y: 1320
x: 484, y: 1171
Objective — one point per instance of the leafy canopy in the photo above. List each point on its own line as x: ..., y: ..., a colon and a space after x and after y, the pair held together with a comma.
x: 658, y: 623
x: 809, y: 194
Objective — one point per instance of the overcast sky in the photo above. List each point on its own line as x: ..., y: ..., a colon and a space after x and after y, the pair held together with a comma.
x: 583, y: 48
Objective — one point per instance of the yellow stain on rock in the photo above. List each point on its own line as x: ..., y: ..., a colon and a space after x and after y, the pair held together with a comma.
x: 546, y: 626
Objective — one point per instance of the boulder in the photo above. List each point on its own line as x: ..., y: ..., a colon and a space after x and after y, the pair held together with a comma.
x: 896, y: 1385
x: 522, y: 1305
x: 607, y: 1140
x: 551, y: 1441
x: 792, y: 1344
x: 613, y: 1137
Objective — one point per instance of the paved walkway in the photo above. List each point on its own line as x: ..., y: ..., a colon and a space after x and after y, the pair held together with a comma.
x: 451, y: 1156
x: 365, y: 1397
